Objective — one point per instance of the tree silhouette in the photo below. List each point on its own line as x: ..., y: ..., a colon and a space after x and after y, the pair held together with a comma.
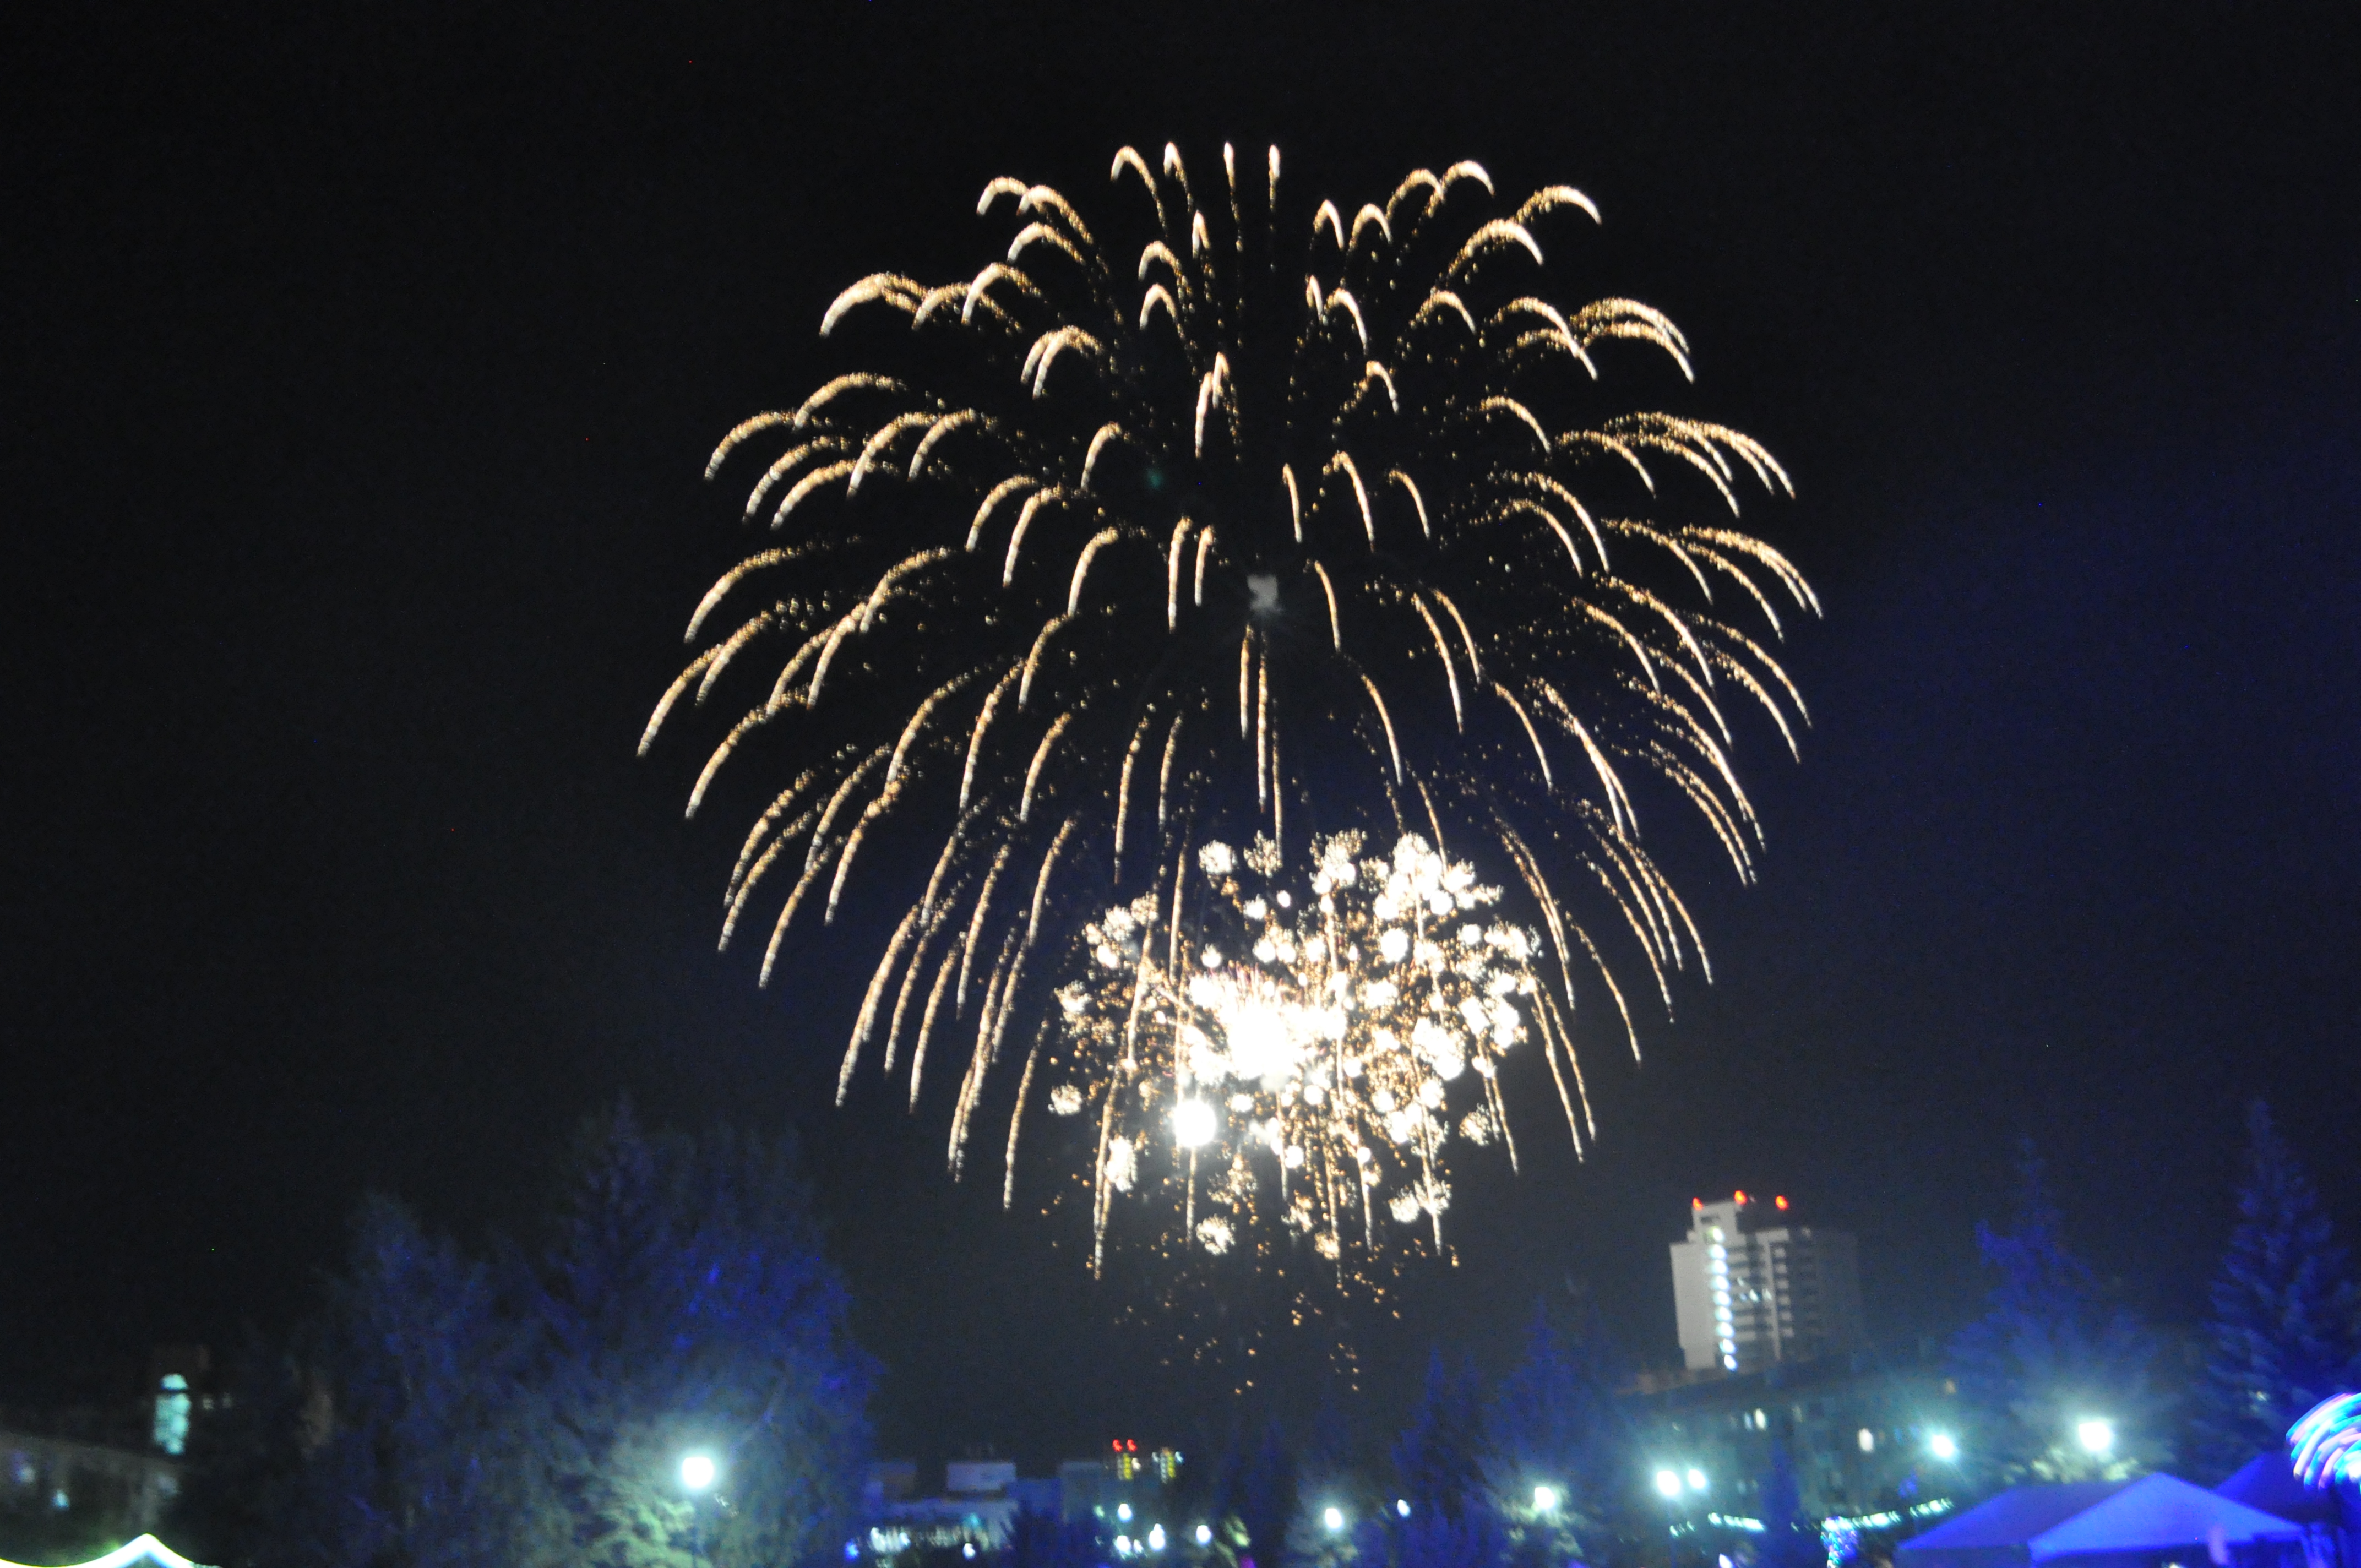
x: 532, y: 1409
x: 2051, y: 1353
x: 2286, y: 1327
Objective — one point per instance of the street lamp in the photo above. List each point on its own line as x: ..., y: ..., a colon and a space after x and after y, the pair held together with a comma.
x: 2096, y: 1435
x: 1943, y: 1446
x: 696, y: 1476
x: 1668, y: 1482
x: 1696, y: 1480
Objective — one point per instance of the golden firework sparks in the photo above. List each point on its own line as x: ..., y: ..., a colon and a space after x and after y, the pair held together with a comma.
x: 1315, y: 1056
x: 1362, y: 479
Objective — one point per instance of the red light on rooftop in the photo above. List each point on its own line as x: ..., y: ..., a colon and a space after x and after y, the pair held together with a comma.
x: 1781, y: 1202
x: 1740, y: 1197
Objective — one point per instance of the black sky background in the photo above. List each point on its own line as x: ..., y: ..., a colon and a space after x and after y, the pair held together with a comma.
x: 363, y: 361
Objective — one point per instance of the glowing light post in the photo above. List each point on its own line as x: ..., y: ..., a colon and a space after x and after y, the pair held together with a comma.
x: 696, y: 1477
x: 1668, y: 1487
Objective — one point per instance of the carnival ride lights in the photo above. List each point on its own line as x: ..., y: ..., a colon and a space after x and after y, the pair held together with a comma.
x: 2324, y: 1446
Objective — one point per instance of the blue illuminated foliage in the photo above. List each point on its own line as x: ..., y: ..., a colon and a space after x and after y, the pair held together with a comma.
x: 532, y: 1405
x: 2054, y: 1350
x: 2286, y: 1327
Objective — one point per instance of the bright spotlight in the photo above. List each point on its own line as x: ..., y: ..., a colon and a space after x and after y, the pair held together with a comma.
x: 696, y: 1472
x: 1204, y: 1535
x: 1192, y: 1124
x: 1696, y: 1480
x: 1943, y: 1446
x: 1545, y: 1499
x: 2097, y: 1436
x: 1333, y: 1518
x: 1668, y: 1482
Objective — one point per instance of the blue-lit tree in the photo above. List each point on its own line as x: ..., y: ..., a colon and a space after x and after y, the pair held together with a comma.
x: 531, y: 1410
x: 2060, y: 1382
x: 1556, y: 1424
x: 1439, y: 1471
x: 1790, y: 1537
x: 1258, y: 1502
x: 2286, y: 1327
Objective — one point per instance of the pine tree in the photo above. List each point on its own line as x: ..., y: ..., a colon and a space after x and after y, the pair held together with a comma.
x: 2052, y: 1353
x: 1259, y: 1501
x: 1789, y: 1539
x: 532, y: 1410
x: 2285, y: 1328
x: 1556, y: 1424
x: 1439, y: 1468
x: 1439, y: 1457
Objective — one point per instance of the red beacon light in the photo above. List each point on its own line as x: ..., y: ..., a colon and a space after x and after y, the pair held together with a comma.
x: 1738, y: 1197
x: 1782, y: 1202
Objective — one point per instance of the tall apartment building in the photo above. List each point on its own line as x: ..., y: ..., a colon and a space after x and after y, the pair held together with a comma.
x: 1750, y: 1290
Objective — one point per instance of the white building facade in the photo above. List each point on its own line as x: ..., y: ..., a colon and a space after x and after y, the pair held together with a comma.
x: 1750, y: 1291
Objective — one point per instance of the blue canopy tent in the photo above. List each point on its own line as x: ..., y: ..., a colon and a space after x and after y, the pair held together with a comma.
x: 2331, y: 1523
x: 2268, y: 1482
x: 2148, y: 1523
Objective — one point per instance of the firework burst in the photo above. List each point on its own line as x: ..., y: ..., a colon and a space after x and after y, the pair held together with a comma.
x: 1308, y: 1063
x: 1292, y: 524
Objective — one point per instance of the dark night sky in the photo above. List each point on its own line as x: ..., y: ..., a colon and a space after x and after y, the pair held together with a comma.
x: 360, y: 372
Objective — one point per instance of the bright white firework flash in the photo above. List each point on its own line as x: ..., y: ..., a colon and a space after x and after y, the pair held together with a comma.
x: 1312, y: 1062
